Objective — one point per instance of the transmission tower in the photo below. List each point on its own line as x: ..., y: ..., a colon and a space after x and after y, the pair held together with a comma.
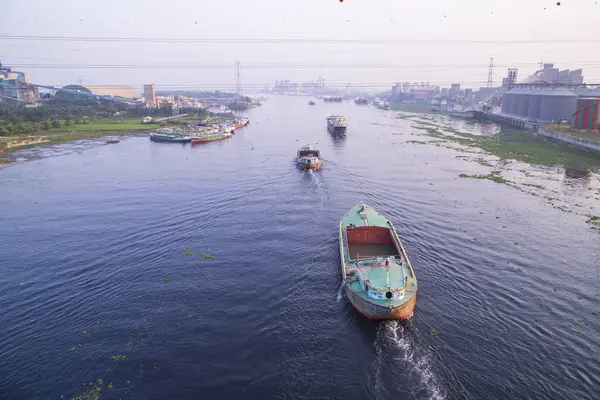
x: 238, y: 83
x: 490, y: 81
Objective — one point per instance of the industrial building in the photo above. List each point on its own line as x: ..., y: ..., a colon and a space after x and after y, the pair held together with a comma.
x: 546, y: 103
x: 549, y: 74
x: 150, y: 95
x: 78, y: 92
x: 422, y: 91
x: 16, y: 86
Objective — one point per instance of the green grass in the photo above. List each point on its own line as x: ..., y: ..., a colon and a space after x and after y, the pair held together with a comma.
x: 566, y: 129
x: 519, y: 145
x: 113, y: 125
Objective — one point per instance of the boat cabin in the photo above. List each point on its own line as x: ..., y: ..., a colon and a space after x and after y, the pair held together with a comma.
x: 308, y: 151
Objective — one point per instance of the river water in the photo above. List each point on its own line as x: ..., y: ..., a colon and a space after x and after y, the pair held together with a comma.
x: 143, y: 270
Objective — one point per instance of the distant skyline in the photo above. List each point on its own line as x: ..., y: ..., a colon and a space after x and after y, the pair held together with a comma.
x: 441, y: 41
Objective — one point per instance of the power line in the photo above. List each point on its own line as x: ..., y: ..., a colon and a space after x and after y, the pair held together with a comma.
x: 282, y: 40
x: 282, y: 66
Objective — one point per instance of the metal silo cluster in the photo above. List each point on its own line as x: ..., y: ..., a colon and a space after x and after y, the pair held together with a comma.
x: 544, y: 104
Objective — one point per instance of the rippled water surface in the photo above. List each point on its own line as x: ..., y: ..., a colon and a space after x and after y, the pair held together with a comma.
x: 169, y: 271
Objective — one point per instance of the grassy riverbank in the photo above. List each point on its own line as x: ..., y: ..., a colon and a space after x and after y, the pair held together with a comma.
x: 566, y: 129
x: 94, y: 129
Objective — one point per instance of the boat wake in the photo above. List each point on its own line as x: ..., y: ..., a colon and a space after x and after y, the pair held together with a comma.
x: 320, y: 186
x: 340, y: 293
x: 399, y: 360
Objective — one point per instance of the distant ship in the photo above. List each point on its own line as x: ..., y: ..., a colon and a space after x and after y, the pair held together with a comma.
x: 311, y: 103
x: 336, y: 99
x: 383, y: 105
x: 361, y: 100
x: 336, y: 124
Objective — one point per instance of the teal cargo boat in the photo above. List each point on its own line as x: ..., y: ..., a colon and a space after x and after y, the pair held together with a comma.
x: 378, y: 278
x: 169, y: 136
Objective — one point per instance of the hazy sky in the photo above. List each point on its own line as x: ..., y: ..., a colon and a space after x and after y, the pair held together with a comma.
x: 448, y: 30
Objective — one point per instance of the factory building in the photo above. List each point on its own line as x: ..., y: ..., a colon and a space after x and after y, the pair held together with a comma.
x: 549, y: 74
x: 78, y: 92
x: 545, y: 104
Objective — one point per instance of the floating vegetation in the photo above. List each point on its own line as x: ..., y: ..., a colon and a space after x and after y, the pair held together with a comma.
x: 556, y: 289
x: 543, y: 306
x: 167, y: 279
x: 85, y: 333
x: 579, y: 297
x: 483, y: 162
x: 442, y: 347
x: 110, y: 385
x: 433, y: 332
x: 208, y: 276
x: 90, y: 394
x: 428, y: 305
x: 187, y: 252
x: 581, y: 321
x: 534, y: 185
x: 206, y: 255
x: 579, y: 332
x: 419, y: 142
x: 594, y: 221
x: 234, y: 237
x: 76, y: 347
x: 118, y: 357
x: 201, y: 237
x: 492, y: 176
x: 188, y: 281
x: 516, y: 243
x: 199, y: 262
x: 518, y: 145
x: 159, y: 309
x: 516, y: 268
x: 92, y: 391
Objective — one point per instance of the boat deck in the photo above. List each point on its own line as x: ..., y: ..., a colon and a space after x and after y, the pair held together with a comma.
x: 371, y: 250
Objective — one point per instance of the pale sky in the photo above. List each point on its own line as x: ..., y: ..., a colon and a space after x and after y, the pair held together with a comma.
x: 447, y: 29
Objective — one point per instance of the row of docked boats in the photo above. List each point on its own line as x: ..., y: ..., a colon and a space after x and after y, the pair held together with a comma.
x: 203, y: 132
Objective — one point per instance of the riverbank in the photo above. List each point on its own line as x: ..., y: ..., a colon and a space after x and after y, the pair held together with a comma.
x: 95, y: 129
x: 584, y: 140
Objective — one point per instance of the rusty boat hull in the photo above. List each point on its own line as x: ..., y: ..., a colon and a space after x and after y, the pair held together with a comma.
x: 379, y: 280
x: 379, y: 312
x: 310, y: 165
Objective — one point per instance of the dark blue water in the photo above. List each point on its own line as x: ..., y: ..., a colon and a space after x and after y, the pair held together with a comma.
x: 174, y: 271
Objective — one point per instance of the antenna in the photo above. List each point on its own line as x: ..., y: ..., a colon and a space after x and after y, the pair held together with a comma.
x: 238, y: 84
x: 490, y: 80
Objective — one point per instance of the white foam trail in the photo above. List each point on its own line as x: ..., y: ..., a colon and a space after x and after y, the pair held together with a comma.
x: 407, y: 355
x: 340, y: 292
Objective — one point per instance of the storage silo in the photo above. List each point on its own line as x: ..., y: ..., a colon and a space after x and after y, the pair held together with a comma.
x: 587, y: 115
x: 535, y: 101
x: 557, y: 104
x: 524, y: 103
x: 506, y: 102
x: 514, y: 101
